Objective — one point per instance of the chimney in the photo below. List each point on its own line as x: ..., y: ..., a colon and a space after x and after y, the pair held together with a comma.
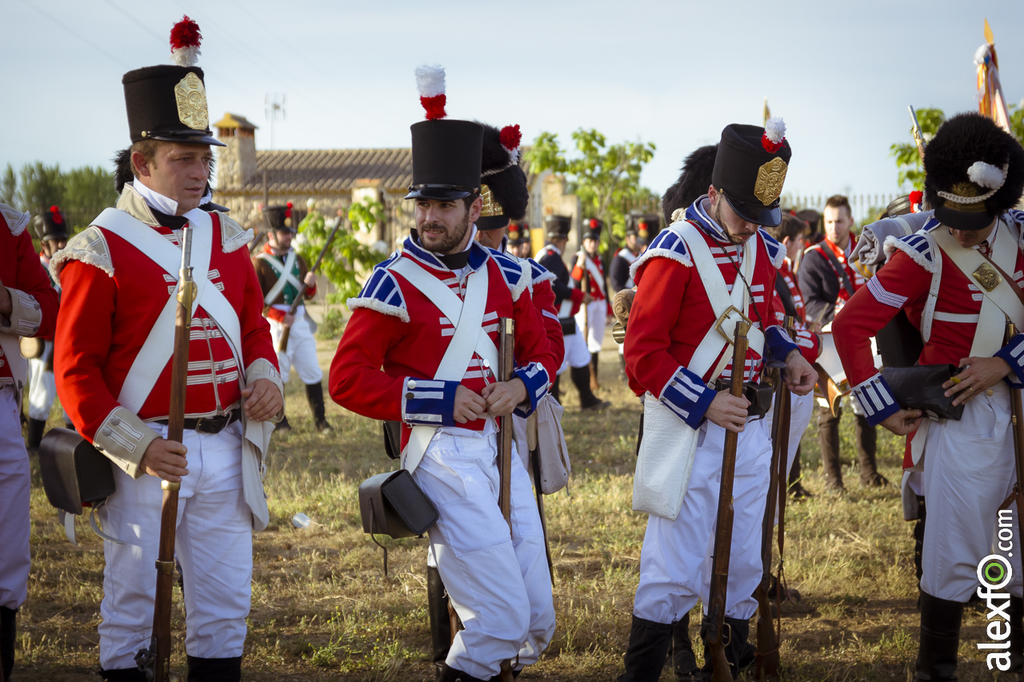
x: 236, y: 162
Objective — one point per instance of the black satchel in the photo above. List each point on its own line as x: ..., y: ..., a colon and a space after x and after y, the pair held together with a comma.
x: 74, y: 473
x: 392, y: 504
x: 920, y: 388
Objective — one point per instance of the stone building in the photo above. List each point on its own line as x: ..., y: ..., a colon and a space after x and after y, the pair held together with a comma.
x: 335, y: 178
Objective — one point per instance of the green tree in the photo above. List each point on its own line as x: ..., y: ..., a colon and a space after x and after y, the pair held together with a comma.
x: 604, y: 177
x: 39, y: 187
x: 347, y: 255
x: 87, y: 191
x: 908, y: 161
x: 8, y: 186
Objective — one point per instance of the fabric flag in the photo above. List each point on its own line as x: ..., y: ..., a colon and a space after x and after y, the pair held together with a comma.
x: 991, y: 102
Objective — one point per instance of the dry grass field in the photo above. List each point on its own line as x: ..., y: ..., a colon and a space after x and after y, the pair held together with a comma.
x: 322, y: 608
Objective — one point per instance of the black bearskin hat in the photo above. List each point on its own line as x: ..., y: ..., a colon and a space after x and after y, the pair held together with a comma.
x: 974, y: 170
x: 693, y: 181
x: 502, y: 179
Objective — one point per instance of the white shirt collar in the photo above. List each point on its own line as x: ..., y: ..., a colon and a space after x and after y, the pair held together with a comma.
x: 156, y: 200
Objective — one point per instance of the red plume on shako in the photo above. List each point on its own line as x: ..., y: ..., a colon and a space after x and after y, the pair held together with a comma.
x: 430, y: 83
x: 185, y: 39
x: 57, y: 217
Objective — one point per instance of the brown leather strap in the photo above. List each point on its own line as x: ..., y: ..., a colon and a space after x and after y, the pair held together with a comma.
x: 1009, y: 280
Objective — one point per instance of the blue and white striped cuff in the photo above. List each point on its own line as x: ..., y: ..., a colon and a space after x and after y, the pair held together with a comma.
x: 687, y: 396
x: 876, y: 399
x: 536, y: 380
x: 1013, y: 353
x: 778, y: 343
x: 428, y: 402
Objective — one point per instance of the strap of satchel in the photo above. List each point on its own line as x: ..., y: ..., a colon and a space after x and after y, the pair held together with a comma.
x: 1009, y: 280
x: 843, y: 277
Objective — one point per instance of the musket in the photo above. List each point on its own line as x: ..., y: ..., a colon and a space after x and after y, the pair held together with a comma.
x: 258, y: 241
x: 156, y: 660
x: 916, y: 132
x: 1017, y: 417
x: 282, y: 344
x: 533, y: 443
x: 767, y: 655
x: 506, y: 365
x: 715, y: 623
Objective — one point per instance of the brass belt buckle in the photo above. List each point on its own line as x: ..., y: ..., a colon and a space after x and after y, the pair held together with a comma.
x: 724, y: 317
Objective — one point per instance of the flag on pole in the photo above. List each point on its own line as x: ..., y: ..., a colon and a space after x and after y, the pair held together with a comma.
x: 991, y: 102
x: 767, y: 112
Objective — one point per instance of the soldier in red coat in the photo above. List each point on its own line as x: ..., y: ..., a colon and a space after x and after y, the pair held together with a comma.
x: 958, y: 279
x: 420, y: 347
x: 696, y: 276
x: 113, y: 364
x: 28, y: 307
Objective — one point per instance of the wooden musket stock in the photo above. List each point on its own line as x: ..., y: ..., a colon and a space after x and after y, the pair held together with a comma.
x: 282, y: 344
x: 157, y: 658
x: 723, y: 531
x: 506, y: 365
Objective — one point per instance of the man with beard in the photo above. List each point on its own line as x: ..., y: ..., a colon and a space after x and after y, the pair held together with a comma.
x: 958, y: 281
x: 284, y: 276
x: 420, y: 347
x: 677, y: 358
x: 828, y: 281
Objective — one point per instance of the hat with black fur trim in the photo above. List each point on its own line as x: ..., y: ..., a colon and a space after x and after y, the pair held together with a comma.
x: 974, y: 171
x: 693, y: 182
x: 504, y: 190
x: 280, y: 218
x: 750, y: 169
x: 51, y: 225
x: 593, y: 229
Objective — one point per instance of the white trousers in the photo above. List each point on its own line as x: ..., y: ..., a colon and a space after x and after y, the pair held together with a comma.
x: 968, y: 472
x: 597, y: 313
x: 213, y: 545
x: 675, y: 562
x: 42, y: 387
x: 301, y: 353
x: 15, y: 484
x: 576, y: 353
x: 498, y: 583
x: 801, y: 409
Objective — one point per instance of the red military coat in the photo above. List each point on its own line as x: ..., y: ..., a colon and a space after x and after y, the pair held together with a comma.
x: 112, y: 296
x: 34, y: 302
x: 396, y: 337
x: 671, y: 314
x: 809, y: 342
x: 904, y: 282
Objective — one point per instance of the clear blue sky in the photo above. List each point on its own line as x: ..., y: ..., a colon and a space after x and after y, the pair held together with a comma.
x: 672, y: 73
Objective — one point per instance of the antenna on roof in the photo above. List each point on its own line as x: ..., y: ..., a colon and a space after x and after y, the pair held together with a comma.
x: 273, y: 104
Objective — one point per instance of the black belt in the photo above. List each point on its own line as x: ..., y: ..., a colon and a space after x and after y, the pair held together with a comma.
x: 209, y: 424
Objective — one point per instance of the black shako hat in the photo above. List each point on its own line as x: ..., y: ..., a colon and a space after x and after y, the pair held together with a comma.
x: 750, y: 168
x: 644, y: 225
x: 51, y: 225
x: 974, y: 170
x: 280, y: 218
x: 593, y: 228
x: 557, y: 226
x: 445, y: 159
x: 168, y: 101
x: 504, y: 190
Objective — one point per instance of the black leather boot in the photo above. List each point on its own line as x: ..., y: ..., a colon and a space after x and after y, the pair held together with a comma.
x: 681, y: 656
x: 922, y: 516
x: 8, y: 636
x: 450, y: 674
x: 35, y: 433
x: 647, y: 650
x: 581, y: 379
x: 315, y: 396
x: 738, y: 651
x: 214, y: 669
x: 828, y: 439
x: 866, y: 437
x: 123, y: 675
x: 594, y: 357
x: 440, y: 622
x: 796, y: 488
x: 283, y: 425
x: 940, y: 637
